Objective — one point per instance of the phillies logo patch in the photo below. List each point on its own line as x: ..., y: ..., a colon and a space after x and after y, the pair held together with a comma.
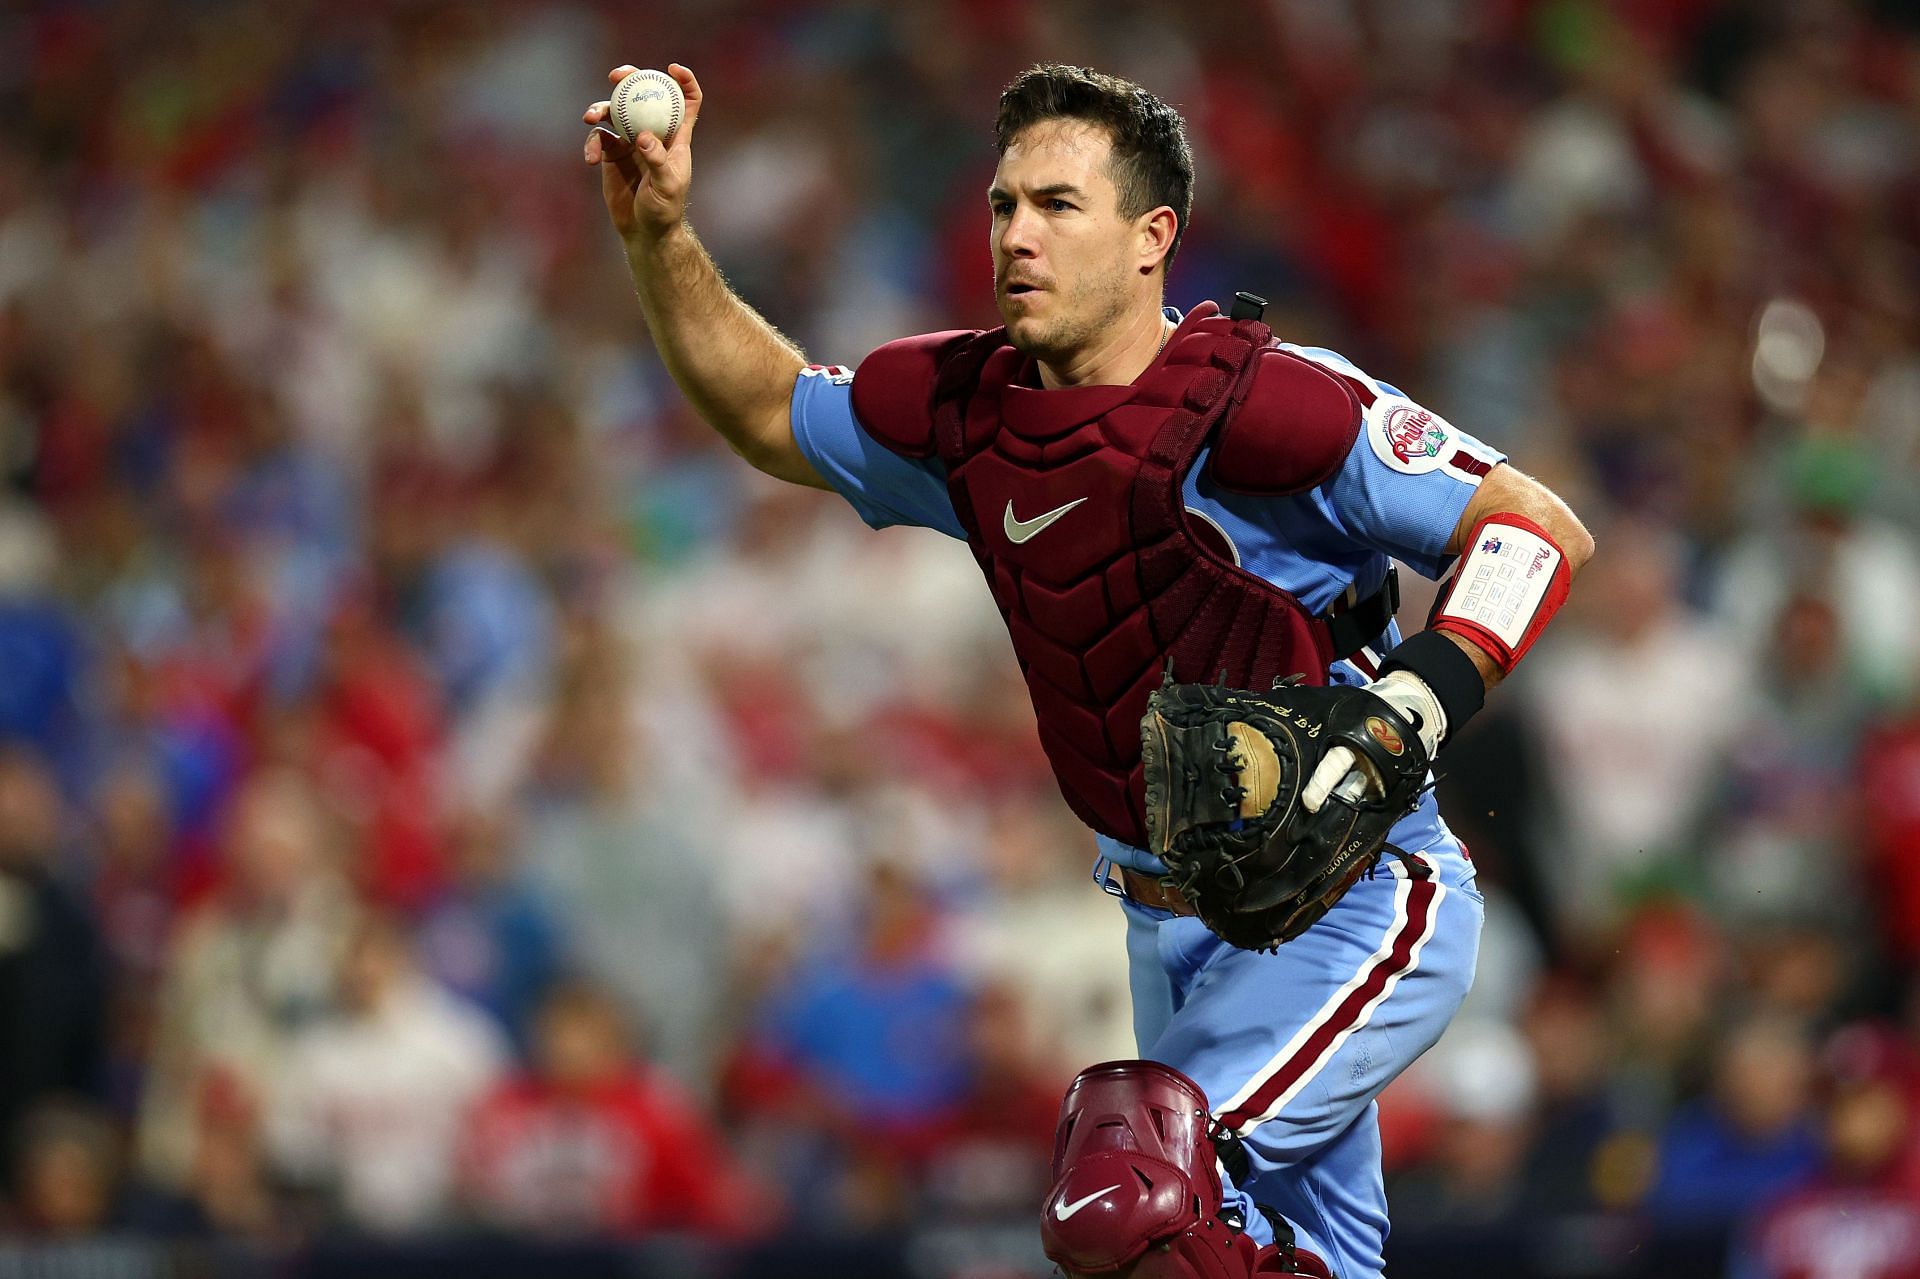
x: 1406, y: 437
x: 1491, y: 546
x: 1412, y: 433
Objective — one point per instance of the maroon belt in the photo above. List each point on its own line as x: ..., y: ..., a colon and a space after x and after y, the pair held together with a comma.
x: 1147, y: 890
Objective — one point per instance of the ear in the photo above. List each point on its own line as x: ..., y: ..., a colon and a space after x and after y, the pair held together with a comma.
x: 1156, y: 229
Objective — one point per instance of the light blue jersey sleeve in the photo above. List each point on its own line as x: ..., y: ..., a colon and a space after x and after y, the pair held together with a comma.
x: 1408, y: 477
x: 883, y: 487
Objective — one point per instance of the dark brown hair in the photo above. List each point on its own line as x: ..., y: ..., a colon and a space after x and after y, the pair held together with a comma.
x: 1152, y: 163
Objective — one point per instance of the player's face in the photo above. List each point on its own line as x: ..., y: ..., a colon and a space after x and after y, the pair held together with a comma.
x: 1065, y: 263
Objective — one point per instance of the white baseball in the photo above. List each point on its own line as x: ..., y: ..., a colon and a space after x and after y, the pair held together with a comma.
x: 646, y: 102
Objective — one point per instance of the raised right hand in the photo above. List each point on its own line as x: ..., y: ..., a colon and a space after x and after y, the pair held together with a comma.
x: 644, y: 182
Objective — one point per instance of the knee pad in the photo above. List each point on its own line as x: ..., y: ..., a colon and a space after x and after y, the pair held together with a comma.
x: 1137, y: 1183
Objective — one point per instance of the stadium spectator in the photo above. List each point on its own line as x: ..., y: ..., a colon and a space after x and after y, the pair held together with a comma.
x: 1751, y: 1138
x: 591, y: 1142
x: 53, y: 974
x: 1586, y: 1153
x: 65, y: 1172
x: 365, y: 1108
x: 490, y: 937
x: 246, y: 971
x: 1888, y: 761
x: 1859, y: 1215
x: 614, y: 837
x: 1632, y: 779
x: 139, y: 883
x: 991, y: 1159
x: 853, y: 1063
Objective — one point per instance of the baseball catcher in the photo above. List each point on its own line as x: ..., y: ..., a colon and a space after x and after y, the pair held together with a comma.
x: 1157, y: 500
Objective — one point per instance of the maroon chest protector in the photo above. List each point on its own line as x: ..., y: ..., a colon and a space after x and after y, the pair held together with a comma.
x: 1071, y: 500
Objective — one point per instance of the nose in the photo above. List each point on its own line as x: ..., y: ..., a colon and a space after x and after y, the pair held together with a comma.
x: 1018, y: 238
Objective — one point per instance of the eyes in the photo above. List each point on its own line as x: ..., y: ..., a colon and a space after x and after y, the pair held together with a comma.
x: 1053, y: 204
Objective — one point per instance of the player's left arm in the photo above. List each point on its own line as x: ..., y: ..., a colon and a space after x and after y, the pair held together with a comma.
x: 1515, y: 551
x: 1510, y: 493
x: 1398, y: 479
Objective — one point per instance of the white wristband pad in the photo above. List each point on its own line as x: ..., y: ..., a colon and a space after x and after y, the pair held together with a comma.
x: 1510, y: 580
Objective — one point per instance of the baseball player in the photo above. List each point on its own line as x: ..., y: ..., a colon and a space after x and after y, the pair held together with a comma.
x: 1155, y: 495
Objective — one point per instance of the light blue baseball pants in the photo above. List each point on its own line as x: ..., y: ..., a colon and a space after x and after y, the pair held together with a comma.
x: 1291, y: 1048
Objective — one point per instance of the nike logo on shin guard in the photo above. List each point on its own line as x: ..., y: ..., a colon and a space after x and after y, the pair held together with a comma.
x: 1064, y: 1211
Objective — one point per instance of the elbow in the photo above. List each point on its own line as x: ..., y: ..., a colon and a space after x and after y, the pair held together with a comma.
x: 768, y: 445
x: 764, y: 456
x: 758, y: 434
x: 1577, y: 544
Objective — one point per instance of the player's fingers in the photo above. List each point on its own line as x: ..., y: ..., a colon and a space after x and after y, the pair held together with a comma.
x: 623, y: 161
x: 1337, y: 763
x: 653, y: 155
x: 621, y: 72
x: 604, y: 143
x: 595, y: 113
x: 651, y: 152
x: 690, y: 90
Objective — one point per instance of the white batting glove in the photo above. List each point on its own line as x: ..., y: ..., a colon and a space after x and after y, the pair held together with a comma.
x: 1346, y: 774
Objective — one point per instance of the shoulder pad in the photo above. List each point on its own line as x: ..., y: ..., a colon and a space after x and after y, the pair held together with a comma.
x: 1292, y: 432
x: 893, y: 390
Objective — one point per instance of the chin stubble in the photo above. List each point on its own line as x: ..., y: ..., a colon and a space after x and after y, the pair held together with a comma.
x: 1067, y: 338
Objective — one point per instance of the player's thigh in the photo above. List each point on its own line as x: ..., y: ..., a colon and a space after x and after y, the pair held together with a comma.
x: 1291, y: 1046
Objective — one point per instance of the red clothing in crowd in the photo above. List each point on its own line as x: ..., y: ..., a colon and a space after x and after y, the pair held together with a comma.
x: 1890, y: 795
x: 627, y: 1156
x: 1837, y: 1231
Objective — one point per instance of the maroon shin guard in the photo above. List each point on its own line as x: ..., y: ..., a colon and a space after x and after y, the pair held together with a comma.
x: 1137, y: 1183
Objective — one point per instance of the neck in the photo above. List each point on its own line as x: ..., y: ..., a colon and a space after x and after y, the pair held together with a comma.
x: 1117, y: 358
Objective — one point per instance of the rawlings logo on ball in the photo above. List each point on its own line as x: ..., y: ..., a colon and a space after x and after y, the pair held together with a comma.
x: 646, y: 102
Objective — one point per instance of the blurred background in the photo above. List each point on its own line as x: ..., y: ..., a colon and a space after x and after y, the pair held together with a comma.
x: 456, y: 817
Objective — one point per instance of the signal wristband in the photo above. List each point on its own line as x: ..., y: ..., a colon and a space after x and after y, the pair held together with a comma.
x: 1504, y: 588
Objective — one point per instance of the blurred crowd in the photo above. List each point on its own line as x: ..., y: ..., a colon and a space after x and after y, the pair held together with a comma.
x: 441, y: 788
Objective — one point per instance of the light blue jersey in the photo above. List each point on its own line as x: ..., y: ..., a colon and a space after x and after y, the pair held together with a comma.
x: 1290, y: 1047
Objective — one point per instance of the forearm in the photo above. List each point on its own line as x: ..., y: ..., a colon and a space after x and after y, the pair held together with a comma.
x: 734, y: 367
x: 1510, y: 515
x: 1508, y: 491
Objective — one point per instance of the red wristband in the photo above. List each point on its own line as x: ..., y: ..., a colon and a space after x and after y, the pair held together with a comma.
x: 1507, y: 584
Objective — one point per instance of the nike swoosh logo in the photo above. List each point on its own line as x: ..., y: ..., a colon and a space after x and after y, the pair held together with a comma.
x: 1019, y: 531
x: 1065, y: 1211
